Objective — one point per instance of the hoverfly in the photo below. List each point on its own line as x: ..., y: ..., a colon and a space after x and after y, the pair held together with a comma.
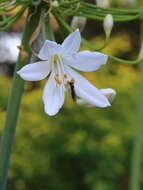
x: 73, y: 94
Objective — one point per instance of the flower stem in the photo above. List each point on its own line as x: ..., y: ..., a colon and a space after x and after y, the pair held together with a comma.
x: 137, y: 157
x: 15, y: 97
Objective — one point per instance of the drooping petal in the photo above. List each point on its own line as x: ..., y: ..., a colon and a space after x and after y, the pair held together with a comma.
x: 71, y: 44
x: 49, y: 48
x: 86, y: 60
x: 53, y: 96
x: 94, y: 99
x: 35, y: 71
x: 109, y: 93
x: 87, y: 91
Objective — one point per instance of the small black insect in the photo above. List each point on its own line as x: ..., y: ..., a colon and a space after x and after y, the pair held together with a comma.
x: 73, y: 94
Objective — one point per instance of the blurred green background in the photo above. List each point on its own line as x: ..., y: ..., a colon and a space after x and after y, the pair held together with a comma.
x: 80, y: 148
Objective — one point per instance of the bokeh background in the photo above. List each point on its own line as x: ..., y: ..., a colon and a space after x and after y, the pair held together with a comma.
x: 80, y: 148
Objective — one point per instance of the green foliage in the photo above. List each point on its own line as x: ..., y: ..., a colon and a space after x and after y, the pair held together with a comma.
x: 80, y: 148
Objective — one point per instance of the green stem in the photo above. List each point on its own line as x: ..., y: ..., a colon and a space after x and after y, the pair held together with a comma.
x: 50, y: 31
x: 15, y: 99
x: 136, y: 165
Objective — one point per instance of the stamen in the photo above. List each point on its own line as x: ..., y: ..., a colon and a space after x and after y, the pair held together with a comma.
x: 57, y: 79
x: 65, y: 76
x: 56, y: 59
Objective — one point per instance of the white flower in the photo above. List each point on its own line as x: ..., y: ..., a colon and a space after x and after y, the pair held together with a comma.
x: 57, y: 61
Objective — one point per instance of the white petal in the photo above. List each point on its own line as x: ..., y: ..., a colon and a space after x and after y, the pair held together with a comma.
x: 87, y: 61
x: 53, y: 96
x: 87, y: 91
x: 109, y: 93
x: 83, y: 103
x: 71, y: 44
x: 49, y: 48
x: 35, y: 71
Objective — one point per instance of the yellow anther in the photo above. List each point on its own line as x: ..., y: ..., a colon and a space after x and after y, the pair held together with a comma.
x: 65, y: 76
x: 57, y: 79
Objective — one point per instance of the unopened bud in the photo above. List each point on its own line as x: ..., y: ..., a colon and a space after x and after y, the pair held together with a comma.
x: 140, y: 56
x: 78, y: 22
x: 55, y: 4
x: 12, y: 2
x: 103, y: 3
x: 130, y: 3
x: 108, y: 24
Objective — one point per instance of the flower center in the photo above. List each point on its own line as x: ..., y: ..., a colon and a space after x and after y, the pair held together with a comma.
x: 61, y: 75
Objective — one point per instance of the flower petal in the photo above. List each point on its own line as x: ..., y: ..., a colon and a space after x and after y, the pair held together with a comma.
x: 86, y: 60
x: 53, y: 96
x: 71, y: 44
x: 87, y: 91
x: 81, y: 102
x: 49, y: 48
x: 109, y: 93
x: 35, y: 71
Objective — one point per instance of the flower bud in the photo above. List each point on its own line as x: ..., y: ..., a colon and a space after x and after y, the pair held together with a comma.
x: 78, y: 22
x: 132, y: 3
x: 129, y: 3
x: 103, y: 3
x: 55, y: 3
x: 11, y: 2
x: 140, y: 56
x: 108, y: 24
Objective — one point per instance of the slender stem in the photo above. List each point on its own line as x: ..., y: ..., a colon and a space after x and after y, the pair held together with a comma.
x: 136, y: 165
x: 15, y: 97
x: 50, y: 31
